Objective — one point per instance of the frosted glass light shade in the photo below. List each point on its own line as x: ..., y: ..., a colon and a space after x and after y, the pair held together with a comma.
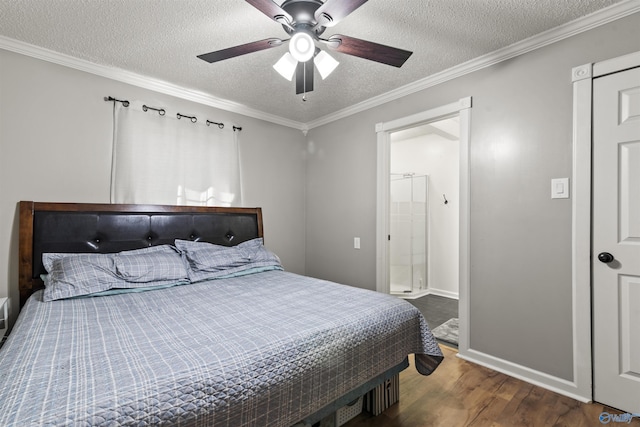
x: 286, y: 66
x: 325, y: 64
x: 301, y: 46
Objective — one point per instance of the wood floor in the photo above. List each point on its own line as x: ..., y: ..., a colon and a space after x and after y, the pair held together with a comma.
x: 461, y: 393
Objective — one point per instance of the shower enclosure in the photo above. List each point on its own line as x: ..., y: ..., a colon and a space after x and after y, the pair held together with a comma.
x: 408, y: 234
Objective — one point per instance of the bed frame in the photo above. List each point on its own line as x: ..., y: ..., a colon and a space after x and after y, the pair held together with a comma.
x: 109, y: 228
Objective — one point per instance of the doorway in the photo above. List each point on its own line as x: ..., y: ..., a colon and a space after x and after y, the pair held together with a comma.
x: 461, y: 111
x: 423, y: 213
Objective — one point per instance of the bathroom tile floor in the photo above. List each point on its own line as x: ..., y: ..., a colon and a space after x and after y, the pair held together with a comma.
x: 436, y: 309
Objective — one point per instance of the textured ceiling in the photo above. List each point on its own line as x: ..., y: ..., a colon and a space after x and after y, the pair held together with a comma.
x: 161, y: 38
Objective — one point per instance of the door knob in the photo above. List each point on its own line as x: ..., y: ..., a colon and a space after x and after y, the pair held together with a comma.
x: 605, y: 257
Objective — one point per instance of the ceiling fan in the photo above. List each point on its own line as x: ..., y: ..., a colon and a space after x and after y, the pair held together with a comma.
x: 305, y: 21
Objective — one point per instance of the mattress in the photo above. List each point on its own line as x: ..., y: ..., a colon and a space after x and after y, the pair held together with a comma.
x: 264, y: 349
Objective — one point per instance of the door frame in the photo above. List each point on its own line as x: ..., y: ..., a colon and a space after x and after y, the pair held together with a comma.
x: 461, y: 108
x: 582, y: 78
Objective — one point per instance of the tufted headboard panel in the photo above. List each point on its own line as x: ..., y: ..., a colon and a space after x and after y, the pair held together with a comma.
x: 107, y: 228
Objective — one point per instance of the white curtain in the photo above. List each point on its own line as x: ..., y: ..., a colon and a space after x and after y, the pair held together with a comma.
x: 166, y: 160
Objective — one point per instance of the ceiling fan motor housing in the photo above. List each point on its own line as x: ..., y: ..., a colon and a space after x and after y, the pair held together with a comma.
x: 303, y: 13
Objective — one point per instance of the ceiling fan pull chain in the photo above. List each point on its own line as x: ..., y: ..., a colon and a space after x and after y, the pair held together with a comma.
x: 304, y: 84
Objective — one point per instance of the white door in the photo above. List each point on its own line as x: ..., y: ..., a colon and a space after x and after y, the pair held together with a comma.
x: 616, y: 240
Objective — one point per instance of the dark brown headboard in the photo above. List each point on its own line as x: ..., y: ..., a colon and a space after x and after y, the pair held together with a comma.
x: 108, y: 228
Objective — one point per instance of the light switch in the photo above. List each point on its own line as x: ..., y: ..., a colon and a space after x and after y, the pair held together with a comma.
x: 560, y: 188
x: 356, y: 243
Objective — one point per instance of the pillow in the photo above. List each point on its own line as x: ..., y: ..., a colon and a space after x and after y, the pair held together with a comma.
x: 150, y: 264
x: 73, y: 275
x: 118, y: 291
x: 78, y: 274
x: 208, y: 261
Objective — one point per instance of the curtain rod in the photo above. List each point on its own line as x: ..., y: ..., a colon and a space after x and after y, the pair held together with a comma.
x: 220, y: 125
x: 192, y: 118
x: 159, y: 110
x: 162, y: 112
x: 111, y: 98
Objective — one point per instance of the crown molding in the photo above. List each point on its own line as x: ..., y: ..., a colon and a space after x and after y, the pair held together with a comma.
x: 142, y: 81
x: 596, y: 19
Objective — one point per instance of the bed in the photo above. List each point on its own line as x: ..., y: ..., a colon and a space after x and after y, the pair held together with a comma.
x: 234, y: 342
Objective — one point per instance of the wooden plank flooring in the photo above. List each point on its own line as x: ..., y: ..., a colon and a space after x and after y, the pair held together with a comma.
x: 460, y: 393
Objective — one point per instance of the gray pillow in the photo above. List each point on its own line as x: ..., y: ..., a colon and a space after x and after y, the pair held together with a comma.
x: 208, y: 261
x: 71, y: 275
x: 150, y: 264
x: 78, y: 274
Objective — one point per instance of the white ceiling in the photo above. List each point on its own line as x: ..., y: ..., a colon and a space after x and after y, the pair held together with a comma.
x: 161, y: 38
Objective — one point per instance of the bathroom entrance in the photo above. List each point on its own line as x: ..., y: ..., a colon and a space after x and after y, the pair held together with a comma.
x: 424, y: 205
x: 448, y: 200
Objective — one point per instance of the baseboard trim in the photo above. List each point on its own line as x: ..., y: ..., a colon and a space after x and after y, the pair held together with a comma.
x: 412, y: 295
x: 425, y: 292
x: 549, y: 382
x: 443, y: 293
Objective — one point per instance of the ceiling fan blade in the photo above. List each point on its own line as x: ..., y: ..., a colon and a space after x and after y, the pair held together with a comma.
x: 243, y: 49
x: 304, y: 77
x: 272, y: 10
x: 368, y: 50
x: 333, y: 11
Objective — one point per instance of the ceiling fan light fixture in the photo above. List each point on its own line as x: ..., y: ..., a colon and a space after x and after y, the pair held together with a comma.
x: 286, y: 66
x: 325, y: 64
x: 301, y: 46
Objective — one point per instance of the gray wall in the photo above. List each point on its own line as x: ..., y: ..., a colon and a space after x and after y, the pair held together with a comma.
x: 521, y: 138
x: 55, y: 146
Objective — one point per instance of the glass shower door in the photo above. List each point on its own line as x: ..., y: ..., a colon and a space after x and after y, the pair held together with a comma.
x: 408, y: 231
x: 400, y: 273
x: 419, y: 233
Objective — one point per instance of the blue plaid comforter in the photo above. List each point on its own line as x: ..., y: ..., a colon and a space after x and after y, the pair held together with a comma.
x: 266, y: 349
